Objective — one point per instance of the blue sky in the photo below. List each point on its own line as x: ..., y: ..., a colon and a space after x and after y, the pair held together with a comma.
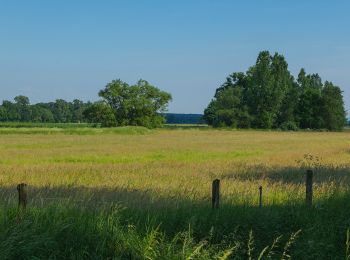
x: 71, y: 49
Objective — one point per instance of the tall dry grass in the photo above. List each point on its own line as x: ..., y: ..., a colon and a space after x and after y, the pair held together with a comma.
x: 164, y: 176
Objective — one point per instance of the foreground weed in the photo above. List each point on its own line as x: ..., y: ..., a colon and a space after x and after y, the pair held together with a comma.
x: 291, y: 241
x: 347, y: 252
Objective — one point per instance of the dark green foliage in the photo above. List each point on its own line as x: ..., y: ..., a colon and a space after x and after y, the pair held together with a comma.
x: 12, y: 111
x: 267, y: 85
x: 3, y: 114
x: 23, y: 108
x: 228, y: 109
x: 289, y: 126
x: 100, y: 113
x: 137, y: 105
x: 59, y: 111
x: 78, y: 108
x: 62, y: 113
x: 267, y: 96
x: 333, y: 112
x: 310, y: 101
x: 41, y: 114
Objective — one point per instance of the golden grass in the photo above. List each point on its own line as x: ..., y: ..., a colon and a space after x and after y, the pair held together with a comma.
x: 172, y: 165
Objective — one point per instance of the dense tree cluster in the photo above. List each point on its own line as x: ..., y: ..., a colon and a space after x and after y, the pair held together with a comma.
x: 122, y: 104
x: 59, y: 111
x: 267, y: 96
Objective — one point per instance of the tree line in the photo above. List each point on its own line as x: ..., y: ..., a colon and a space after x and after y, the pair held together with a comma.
x: 267, y: 96
x: 121, y: 104
x: 59, y: 111
x: 173, y: 118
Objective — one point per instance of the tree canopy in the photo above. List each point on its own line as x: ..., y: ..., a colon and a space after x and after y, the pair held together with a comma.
x: 59, y: 111
x: 140, y: 104
x: 267, y: 96
x: 100, y: 113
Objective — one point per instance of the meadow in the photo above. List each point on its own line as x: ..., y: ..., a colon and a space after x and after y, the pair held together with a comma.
x: 134, y: 193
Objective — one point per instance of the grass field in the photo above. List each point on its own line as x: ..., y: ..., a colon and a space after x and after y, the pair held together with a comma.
x: 43, y: 125
x: 133, y: 193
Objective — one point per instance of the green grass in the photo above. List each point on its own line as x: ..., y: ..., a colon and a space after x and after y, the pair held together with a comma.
x: 67, y: 233
x: 43, y: 125
x: 134, y: 193
x: 185, y: 157
x: 186, y: 126
x: 73, y: 130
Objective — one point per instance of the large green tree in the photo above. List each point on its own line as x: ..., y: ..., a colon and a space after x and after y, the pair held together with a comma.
x: 267, y: 96
x: 269, y: 81
x: 23, y: 107
x: 140, y: 104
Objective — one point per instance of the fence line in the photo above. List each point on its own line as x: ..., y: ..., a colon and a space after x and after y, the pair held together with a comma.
x: 23, y: 195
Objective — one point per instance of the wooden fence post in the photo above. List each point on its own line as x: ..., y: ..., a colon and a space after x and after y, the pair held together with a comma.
x: 22, y: 196
x: 215, y: 194
x: 260, y: 197
x: 309, y: 174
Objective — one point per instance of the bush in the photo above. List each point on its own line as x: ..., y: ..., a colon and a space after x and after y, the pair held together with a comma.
x: 289, y: 126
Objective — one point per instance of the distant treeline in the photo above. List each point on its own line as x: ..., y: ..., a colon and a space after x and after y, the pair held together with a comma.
x: 267, y: 96
x: 61, y: 111
x: 172, y: 118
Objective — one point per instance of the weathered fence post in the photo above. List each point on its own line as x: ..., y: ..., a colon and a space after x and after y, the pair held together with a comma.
x: 215, y: 194
x: 22, y: 196
x: 309, y: 174
x: 260, y: 197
